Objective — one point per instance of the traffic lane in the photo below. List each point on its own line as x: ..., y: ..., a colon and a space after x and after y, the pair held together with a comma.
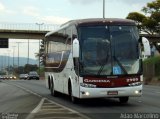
x: 16, y: 101
x: 146, y: 99
x: 45, y: 109
x: 150, y: 95
x: 100, y: 108
x: 152, y: 90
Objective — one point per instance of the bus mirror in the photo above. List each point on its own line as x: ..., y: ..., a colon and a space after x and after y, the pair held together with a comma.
x: 75, y: 48
x: 146, y: 46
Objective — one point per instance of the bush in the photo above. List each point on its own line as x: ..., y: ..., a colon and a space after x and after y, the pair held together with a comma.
x: 156, y: 62
x: 41, y: 71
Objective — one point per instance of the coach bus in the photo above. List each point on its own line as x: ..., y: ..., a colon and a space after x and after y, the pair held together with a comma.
x: 94, y: 58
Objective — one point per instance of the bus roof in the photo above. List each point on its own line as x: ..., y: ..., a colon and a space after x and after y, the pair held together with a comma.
x: 115, y: 21
x: 106, y: 21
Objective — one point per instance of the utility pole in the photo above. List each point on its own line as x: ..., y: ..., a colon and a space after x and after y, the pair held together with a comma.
x: 13, y: 59
x: 18, y: 55
x: 2, y: 63
x: 103, y: 8
x: 8, y: 62
x: 28, y: 53
x: 39, y: 28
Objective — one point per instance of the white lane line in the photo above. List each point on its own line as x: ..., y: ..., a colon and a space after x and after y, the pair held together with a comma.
x: 78, y: 113
x: 36, y: 109
x: 38, y: 106
x: 29, y: 91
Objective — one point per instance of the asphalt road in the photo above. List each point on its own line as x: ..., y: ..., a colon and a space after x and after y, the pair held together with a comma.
x: 103, y: 108
x: 16, y: 102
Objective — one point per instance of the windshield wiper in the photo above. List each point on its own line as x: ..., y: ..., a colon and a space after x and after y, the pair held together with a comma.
x: 120, y: 64
x: 102, y: 66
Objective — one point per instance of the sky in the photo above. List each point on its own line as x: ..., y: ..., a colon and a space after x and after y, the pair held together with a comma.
x: 58, y: 12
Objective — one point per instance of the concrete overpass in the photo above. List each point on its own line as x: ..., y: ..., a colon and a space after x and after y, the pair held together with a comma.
x: 22, y: 34
x: 25, y: 31
x: 38, y: 31
x: 152, y: 38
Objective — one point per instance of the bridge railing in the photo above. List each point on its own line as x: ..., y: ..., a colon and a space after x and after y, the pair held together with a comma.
x: 28, y: 26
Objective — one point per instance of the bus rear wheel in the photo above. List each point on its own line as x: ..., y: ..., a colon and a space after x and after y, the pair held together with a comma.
x: 123, y: 99
x: 52, y: 90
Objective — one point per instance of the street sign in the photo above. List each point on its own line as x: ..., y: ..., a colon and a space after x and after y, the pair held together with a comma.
x: 4, y: 43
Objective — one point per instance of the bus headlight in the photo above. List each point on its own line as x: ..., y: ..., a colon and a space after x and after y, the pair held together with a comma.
x: 85, y: 93
x: 87, y: 85
x: 135, y: 84
x: 138, y: 91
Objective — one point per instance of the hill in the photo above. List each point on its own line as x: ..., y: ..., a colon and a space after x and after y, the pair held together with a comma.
x: 6, y: 60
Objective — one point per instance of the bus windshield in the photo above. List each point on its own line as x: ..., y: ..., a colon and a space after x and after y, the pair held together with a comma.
x: 109, y: 50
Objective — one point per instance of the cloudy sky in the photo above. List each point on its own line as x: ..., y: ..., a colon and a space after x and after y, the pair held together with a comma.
x: 60, y: 11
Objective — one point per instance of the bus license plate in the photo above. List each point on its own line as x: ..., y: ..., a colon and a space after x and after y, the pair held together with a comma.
x: 112, y: 93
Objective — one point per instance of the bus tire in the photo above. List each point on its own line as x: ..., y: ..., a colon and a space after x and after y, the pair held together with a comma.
x: 123, y: 99
x: 73, y: 99
x: 49, y: 83
x: 52, y: 90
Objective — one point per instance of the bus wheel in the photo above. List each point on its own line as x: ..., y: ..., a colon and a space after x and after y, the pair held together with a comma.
x: 123, y: 99
x: 53, y: 92
x: 73, y: 99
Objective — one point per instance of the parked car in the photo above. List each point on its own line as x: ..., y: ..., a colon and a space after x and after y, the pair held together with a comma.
x: 33, y: 75
x: 23, y: 76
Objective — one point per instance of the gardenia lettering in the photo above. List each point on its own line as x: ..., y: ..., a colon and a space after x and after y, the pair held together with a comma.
x: 96, y: 81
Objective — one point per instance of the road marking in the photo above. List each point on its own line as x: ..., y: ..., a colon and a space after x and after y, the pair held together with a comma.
x: 139, y: 101
x: 35, y: 110
x: 49, y: 102
x: 24, y: 89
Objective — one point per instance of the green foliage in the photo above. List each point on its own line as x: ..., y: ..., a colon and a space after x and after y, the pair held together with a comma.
x: 2, y: 73
x: 136, y: 16
x: 30, y: 67
x: 158, y: 78
x: 42, y: 70
x: 41, y: 54
x: 152, y: 7
x: 149, y: 22
x: 156, y: 62
x: 152, y: 60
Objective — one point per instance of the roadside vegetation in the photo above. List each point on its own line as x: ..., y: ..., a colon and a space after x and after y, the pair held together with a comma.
x: 148, y: 21
x: 151, y: 68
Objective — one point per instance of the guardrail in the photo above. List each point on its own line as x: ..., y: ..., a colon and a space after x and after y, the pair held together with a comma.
x: 28, y: 26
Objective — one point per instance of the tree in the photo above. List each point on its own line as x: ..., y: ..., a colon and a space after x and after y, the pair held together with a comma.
x: 30, y: 67
x: 41, y: 54
x: 149, y: 22
x: 138, y: 17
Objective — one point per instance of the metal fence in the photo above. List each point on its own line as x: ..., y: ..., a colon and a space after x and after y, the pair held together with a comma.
x: 28, y: 26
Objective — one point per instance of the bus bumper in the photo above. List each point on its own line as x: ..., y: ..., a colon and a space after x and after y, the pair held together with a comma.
x: 134, y: 91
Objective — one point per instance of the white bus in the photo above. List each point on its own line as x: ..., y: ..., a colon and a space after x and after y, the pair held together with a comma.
x: 94, y: 58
